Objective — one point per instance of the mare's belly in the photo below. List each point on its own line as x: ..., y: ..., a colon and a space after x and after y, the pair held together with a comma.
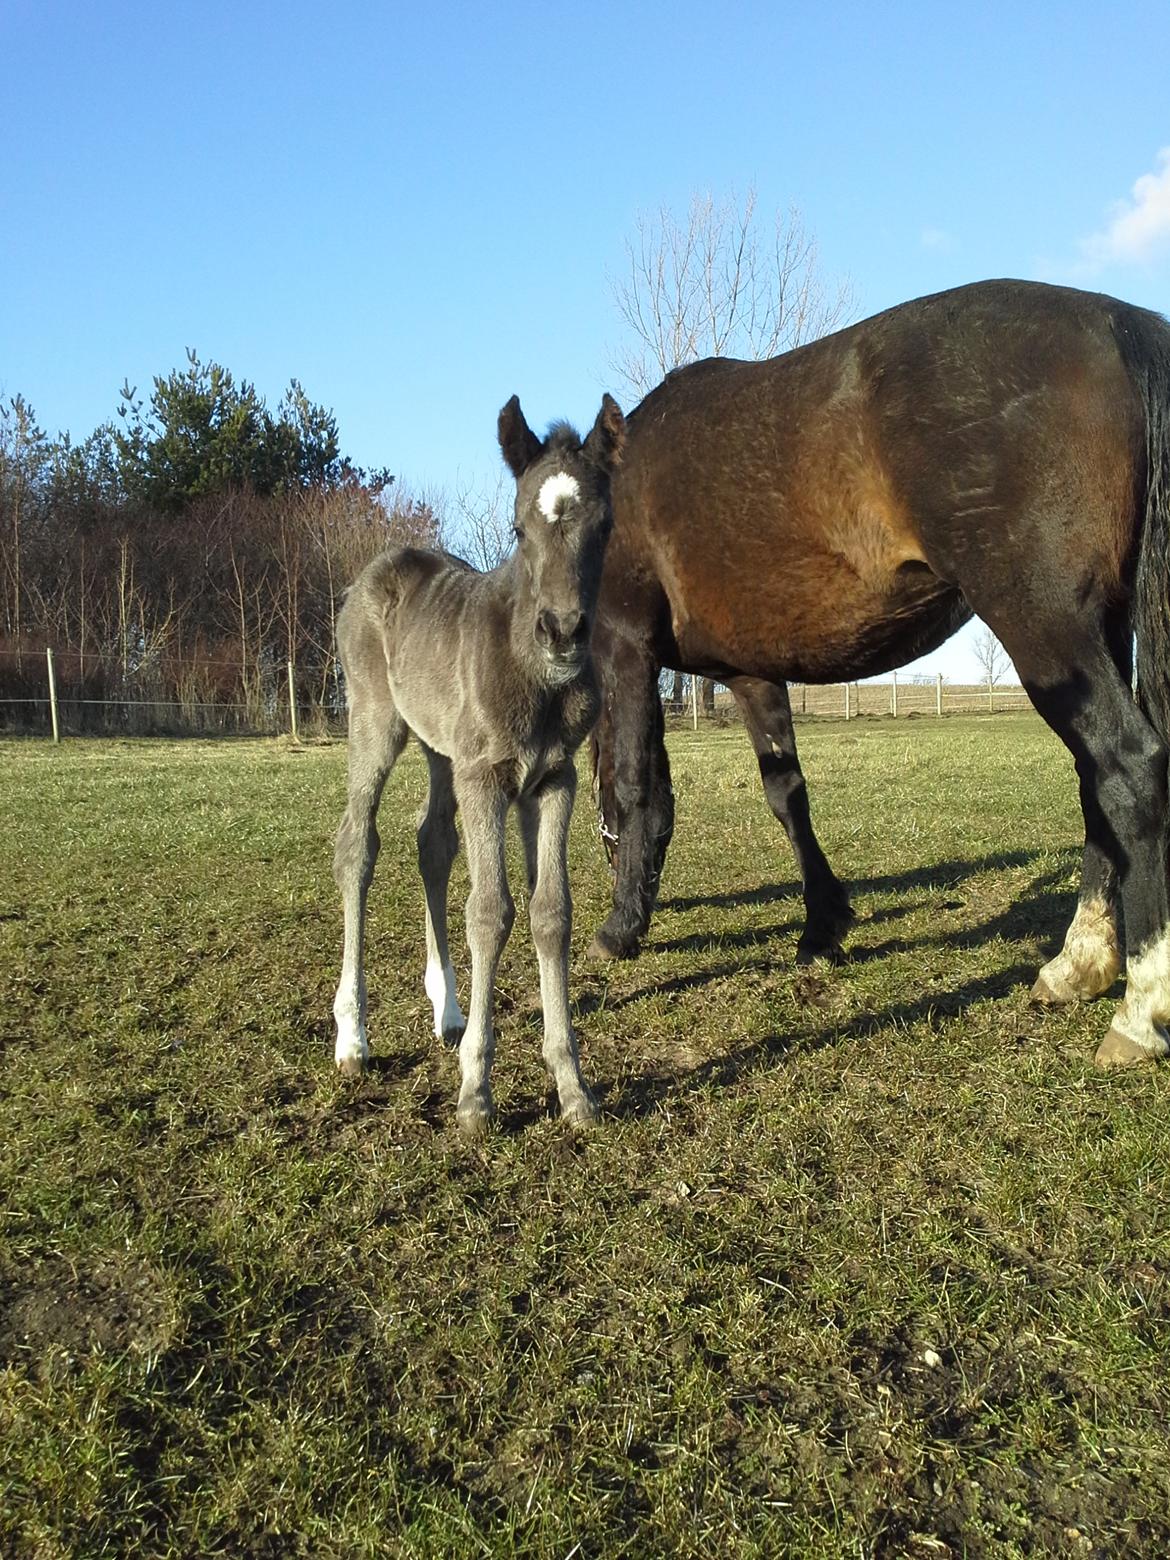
x: 819, y: 620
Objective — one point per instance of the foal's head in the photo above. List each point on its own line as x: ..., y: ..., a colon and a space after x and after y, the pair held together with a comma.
x: 563, y: 520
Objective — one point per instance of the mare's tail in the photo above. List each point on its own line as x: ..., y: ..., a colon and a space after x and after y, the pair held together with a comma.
x: 1144, y: 340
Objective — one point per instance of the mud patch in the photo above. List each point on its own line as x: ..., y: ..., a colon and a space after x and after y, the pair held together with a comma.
x: 119, y: 1307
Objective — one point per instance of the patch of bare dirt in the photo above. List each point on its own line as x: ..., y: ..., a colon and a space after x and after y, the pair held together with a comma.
x: 119, y: 1307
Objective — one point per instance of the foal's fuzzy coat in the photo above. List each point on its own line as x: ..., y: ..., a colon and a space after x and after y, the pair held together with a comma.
x: 493, y: 674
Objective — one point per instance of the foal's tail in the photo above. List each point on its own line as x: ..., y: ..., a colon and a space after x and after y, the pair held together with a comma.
x: 1144, y: 340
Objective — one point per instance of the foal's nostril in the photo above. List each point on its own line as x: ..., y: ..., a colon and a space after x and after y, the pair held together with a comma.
x: 559, y: 633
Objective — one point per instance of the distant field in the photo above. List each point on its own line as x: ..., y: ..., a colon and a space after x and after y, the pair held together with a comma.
x: 865, y: 1261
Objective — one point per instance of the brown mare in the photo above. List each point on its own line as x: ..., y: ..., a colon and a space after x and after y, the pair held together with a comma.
x: 1002, y: 448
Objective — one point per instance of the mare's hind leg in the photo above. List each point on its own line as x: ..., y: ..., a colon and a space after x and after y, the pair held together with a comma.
x: 767, y: 714
x: 490, y: 914
x: 551, y: 917
x: 1078, y: 687
x: 1089, y: 961
x: 438, y: 844
x: 377, y: 734
x: 642, y: 803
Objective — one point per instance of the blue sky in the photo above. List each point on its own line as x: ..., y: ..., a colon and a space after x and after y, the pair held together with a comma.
x: 418, y: 210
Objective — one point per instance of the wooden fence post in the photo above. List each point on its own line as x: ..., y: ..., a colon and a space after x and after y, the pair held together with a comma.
x: 894, y: 695
x: 846, y: 701
x: 53, y: 697
x: 292, y: 702
x: 938, y: 695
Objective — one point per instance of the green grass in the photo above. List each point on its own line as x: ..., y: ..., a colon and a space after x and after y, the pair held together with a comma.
x: 861, y: 1261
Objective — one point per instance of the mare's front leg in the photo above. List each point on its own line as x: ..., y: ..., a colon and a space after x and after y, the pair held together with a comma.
x: 438, y: 844
x: 767, y: 715
x: 377, y: 734
x: 551, y: 918
x: 490, y: 914
x: 642, y: 801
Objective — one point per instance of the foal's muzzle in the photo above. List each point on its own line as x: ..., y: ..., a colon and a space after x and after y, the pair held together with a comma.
x: 563, y: 636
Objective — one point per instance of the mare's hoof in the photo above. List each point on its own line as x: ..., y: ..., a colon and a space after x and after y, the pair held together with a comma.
x: 605, y: 947
x: 1046, y: 995
x: 350, y: 1065
x: 1055, y: 992
x: 810, y: 952
x: 1118, y: 1050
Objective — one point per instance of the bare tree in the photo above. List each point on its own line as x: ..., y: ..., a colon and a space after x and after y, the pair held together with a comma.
x: 721, y: 281
x: 990, y: 656
x: 482, y: 522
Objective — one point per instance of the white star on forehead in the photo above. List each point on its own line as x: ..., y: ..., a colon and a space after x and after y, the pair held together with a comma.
x: 554, y: 493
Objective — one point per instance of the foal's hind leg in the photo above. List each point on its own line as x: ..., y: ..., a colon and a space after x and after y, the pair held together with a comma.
x: 438, y: 844
x: 377, y: 734
x: 767, y: 714
x: 551, y: 918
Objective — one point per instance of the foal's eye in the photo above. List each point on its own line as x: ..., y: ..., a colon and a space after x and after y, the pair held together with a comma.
x: 518, y: 532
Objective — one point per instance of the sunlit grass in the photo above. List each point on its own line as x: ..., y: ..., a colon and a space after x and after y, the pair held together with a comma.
x: 865, y: 1260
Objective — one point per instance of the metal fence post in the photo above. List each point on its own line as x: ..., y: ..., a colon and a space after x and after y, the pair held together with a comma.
x: 846, y: 701
x: 938, y: 695
x: 53, y: 697
x: 894, y: 696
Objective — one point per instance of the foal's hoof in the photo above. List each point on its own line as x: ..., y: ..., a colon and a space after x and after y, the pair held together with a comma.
x: 474, y: 1119
x: 350, y: 1057
x: 452, y: 1035
x: 581, y: 1113
x: 1118, y: 1050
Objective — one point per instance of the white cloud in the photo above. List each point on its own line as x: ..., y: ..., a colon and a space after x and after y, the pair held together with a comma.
x: 1138, y: 228
x: 937, y: 239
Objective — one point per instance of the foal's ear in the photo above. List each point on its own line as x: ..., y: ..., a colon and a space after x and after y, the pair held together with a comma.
x: 517, y: 440
x: 607, y: 438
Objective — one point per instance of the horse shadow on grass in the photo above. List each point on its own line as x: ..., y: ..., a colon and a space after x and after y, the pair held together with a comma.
x: 1037, y: 912
x: 638, y: 1097
x: 1041, y: 912
x: 940, y: 875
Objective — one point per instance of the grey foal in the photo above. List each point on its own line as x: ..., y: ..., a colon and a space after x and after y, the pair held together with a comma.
x: 493, y: 674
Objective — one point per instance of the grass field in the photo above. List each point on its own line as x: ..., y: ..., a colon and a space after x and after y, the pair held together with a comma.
x: 861, y: 1261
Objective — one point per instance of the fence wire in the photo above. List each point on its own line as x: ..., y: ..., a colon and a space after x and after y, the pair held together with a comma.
x: 123, y: 701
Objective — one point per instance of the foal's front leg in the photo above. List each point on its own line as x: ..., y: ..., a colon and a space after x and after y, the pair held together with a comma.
x: 551, y: 917
x: 490, y: 914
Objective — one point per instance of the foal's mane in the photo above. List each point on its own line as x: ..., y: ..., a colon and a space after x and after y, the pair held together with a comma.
x: 562, y: 439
